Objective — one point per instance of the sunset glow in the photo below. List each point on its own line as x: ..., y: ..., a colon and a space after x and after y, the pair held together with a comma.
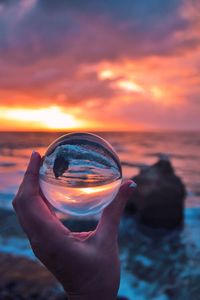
x: 157, y: 92
x: 46, y: 118
x: 136, y: 68
x: 130, y: 86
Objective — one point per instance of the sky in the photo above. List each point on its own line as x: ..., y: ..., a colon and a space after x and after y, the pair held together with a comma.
x: 99, y: 65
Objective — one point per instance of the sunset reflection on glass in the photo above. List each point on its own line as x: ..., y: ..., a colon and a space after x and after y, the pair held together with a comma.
x: 80, y: 174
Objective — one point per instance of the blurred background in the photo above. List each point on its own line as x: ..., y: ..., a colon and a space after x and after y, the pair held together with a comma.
x: 128, y: 71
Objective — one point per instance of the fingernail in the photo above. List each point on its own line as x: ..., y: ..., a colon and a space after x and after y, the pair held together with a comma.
x: 33, y: 153
x: 133, y: 185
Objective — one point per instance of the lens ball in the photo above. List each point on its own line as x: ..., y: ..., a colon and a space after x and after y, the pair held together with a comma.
x: 80, y: 174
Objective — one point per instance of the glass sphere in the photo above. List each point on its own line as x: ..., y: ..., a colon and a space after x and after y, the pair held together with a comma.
x: 80, y: 174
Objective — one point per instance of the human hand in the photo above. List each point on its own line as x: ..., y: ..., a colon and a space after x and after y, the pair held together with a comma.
x: 85, y: 263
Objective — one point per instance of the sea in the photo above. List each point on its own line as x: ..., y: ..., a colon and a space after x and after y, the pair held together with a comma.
x: 163, y: 268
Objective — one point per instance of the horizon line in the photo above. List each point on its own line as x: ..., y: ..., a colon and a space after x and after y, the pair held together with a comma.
x: 101, y: 130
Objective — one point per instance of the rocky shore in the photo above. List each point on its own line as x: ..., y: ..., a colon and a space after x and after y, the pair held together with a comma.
x: 23, y: 279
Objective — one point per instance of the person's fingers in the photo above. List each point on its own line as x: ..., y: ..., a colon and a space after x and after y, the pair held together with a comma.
x: 23, y: 202
x: 30, y: 175
x: 109, y: 222
x: 30, y: 182
x: 34, y: 215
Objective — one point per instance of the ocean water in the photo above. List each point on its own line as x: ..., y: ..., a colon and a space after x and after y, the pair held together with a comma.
x: 158, y: 268
x: 134, y: 149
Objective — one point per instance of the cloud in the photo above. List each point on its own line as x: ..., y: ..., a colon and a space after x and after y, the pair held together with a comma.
x: 91, y: 31
x: 50, y: 53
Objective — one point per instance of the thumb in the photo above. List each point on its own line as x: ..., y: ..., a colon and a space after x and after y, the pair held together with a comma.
x: 30, y: 181
x: 110, y: 219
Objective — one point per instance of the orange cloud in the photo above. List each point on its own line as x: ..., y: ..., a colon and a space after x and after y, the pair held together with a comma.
x: 137, y: 67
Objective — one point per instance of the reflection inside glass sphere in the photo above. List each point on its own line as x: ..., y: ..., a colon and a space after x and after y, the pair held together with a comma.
x: 80, y: 174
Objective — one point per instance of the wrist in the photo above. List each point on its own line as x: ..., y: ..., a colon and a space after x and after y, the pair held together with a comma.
x: 92, y: 297
x: 96, y: 296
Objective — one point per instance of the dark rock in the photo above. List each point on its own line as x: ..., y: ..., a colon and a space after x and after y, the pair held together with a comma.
x: 158, y: 200
x: 61, y: 165
x: 23, y: 279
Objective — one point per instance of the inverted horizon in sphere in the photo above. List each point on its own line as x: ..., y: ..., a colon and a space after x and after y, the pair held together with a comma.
x: 80, y: 174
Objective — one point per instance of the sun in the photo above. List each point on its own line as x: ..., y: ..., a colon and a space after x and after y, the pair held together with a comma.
x: 52, y: 118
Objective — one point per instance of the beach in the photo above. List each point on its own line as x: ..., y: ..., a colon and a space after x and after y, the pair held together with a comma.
x: 162, y: 268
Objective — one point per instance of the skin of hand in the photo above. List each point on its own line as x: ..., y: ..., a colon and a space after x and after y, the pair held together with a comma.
x: 85, y: 263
